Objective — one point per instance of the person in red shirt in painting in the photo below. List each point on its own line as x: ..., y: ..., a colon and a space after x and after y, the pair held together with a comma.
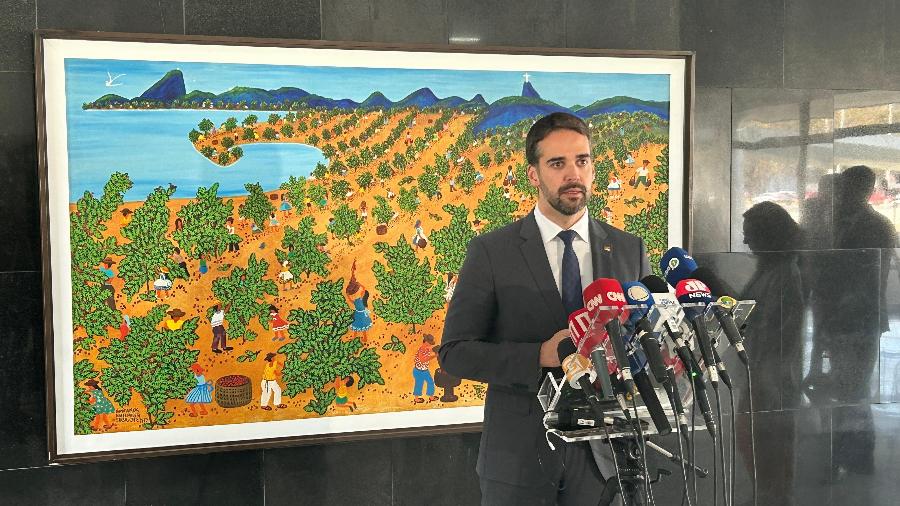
x: 422, y: 372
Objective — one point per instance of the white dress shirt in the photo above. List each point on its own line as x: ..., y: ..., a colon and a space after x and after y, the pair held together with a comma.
x: 554, y: 246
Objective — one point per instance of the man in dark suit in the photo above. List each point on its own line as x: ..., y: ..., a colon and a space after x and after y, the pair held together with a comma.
x: 509, y: 312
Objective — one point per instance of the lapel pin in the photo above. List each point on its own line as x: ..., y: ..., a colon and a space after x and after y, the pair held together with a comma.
x: 607, y: 248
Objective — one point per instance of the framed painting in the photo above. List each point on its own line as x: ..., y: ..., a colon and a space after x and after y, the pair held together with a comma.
x: 251, y: 243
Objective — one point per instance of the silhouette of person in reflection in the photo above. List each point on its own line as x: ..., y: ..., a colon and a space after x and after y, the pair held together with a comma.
x: 774, y: 335
x: 816, y: 217
x: 776, y: 284
x: 849, y: 316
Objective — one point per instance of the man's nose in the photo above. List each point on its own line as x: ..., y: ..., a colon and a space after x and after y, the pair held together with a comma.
x: 573, y: 172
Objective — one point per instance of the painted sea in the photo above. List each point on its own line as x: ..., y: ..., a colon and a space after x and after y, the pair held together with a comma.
x: 153, y: 148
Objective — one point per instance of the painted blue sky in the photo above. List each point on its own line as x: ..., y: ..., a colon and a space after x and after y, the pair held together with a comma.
x: 85, y: 81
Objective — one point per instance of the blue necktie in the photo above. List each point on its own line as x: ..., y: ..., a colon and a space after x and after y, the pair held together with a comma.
x: 570, y: 277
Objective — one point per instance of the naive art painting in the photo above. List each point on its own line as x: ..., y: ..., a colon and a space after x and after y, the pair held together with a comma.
x: 250, y: 243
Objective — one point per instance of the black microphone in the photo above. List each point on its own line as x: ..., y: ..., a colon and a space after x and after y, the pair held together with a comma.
x: 614, y: 329
x: 671, y: 387
x: 598, y: 358
x: 723, y: 371
x: 635, y: 294
x: 691, y: 291
x: 666, y: 304
x: 717, y: 288
x: 703, y: 401
x: 730, y: 328
x: 655, y: 284
x: 651, y: 401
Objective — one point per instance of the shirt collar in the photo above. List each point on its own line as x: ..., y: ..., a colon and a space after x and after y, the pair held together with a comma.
x: 550, y: 230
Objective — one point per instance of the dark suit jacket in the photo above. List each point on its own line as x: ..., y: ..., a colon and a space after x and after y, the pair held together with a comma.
x: 505, y: 305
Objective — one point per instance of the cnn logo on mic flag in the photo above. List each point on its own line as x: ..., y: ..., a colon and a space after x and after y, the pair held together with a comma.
x: 604, y: 300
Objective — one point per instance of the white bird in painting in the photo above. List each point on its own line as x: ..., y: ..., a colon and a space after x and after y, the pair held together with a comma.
x: 110, y: 81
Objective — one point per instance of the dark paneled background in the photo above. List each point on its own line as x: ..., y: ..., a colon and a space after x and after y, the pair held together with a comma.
x: 776, y: 81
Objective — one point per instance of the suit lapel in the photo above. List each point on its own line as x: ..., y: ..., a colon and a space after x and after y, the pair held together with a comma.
x: 536, y: 258
x: 601, y: 251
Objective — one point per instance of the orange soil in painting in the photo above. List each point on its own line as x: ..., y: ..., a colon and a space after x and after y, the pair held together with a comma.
x: 194, y: 296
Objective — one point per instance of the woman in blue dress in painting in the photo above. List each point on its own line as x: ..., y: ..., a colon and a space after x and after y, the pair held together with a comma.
x: 104, y: 412
x: 199, y: 396
x: 285, y: 206
x: 358, y: 297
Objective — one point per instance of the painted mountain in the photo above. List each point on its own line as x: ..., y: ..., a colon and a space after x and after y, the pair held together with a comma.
x: 169, y: 93
x: 170, y: 87
x: 509, y: 110
x: 528, y: 90
x: 624, y: 104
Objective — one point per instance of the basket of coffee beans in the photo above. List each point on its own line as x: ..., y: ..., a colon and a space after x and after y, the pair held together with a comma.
x: 233, y: 391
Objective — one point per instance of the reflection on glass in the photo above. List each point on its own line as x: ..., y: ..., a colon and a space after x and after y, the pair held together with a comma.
x: 774, y: 328
x: 849, y: 310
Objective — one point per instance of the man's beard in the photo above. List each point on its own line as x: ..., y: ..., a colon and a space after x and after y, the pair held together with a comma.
x: 557, y: 202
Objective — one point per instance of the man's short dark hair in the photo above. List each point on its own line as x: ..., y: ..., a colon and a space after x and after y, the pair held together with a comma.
x: 857, y: 183
x: 550, y: 123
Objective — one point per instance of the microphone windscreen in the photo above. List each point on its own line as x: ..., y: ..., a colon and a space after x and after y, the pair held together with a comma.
x: 676, y: 265
x: 603, y: 299
x: 564, y: 349
x: 655, y: 284
x: 575, y: 367
x: 637, y: 293
x: 693, y: 291
x: 579, y: 325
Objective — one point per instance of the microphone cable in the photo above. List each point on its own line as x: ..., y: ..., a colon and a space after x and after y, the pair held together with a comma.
x: 733, y: 445
x: 691, y: 374
x: 721, y: 447
x: 648, y: 492
x: 693, y: 453
x: 684, y: 480
x: 752, y: 432
x: 612, y: 451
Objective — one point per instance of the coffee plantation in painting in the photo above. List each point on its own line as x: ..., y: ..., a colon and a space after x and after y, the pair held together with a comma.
x: 254, y: 243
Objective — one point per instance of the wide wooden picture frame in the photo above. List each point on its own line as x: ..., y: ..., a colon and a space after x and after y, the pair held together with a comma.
x: 250, y: 243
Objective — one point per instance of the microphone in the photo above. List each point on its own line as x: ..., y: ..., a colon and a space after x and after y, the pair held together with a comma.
x: 636, y: 293
x: 723, y: 372
x: 605, y: 303
x: 671, y: 315
x: 582, y: 335
x: 655, y: 284
x: 579, y: 374
x: 651, y: 401
x: 688, y: 291
x: 675, y: 399
x: 678, y: 265
x: 722, y: 310
x: 691, y: 291
x: 578, y: 369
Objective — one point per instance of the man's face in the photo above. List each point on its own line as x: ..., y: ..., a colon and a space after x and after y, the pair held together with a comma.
x: 565, y: 172
x: 751, y: 236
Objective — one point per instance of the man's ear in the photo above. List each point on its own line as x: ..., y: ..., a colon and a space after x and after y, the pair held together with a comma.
x: 533, y: 176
